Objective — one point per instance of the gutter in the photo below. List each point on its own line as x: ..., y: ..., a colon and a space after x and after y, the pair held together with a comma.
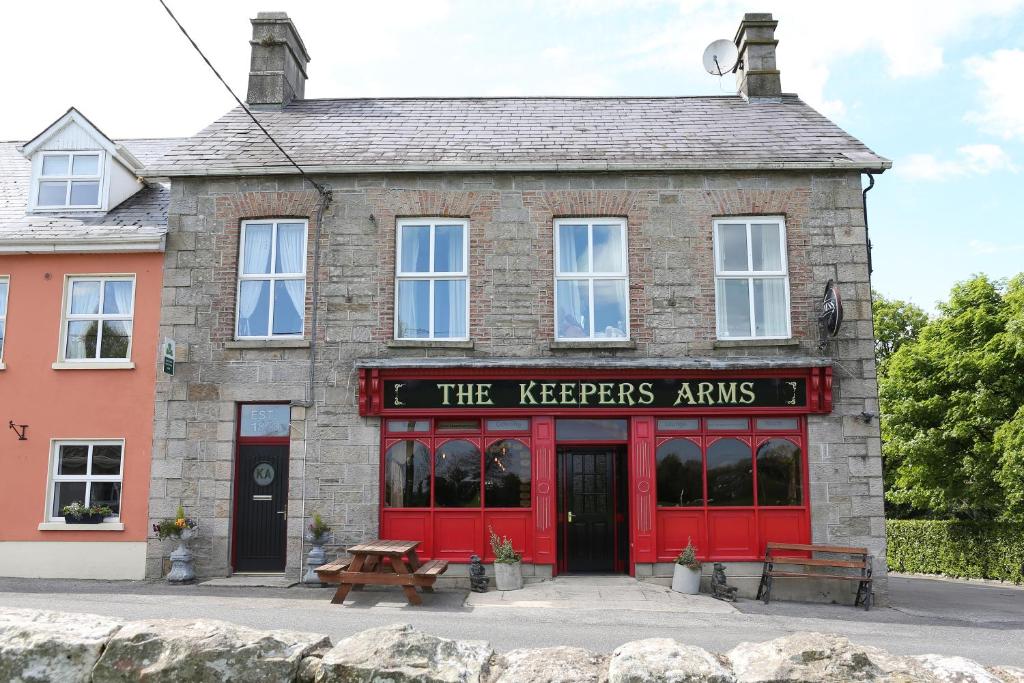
x: 544, y: 167
x: 98, y: 245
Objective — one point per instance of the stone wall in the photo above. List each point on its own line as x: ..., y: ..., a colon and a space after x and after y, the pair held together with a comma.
x: 334, y: 457
x: 53, y: 646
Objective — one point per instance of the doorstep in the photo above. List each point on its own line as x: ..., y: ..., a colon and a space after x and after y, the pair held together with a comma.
x: 252, y: 581
x: 599, y: 593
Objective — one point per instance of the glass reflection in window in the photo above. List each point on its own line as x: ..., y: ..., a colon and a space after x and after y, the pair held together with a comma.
x: 507, y: 475
x: 680, y: 479
x: 778, y: 473
x: 457, y: 475
x: 407, y: 475
x: 730, y: 473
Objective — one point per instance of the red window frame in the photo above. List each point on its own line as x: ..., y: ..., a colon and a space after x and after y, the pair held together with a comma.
x: 788, y: 523
x: 465, y: 528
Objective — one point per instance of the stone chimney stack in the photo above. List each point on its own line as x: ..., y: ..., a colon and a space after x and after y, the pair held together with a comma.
x: 277, y: 70
x: 755, y: 41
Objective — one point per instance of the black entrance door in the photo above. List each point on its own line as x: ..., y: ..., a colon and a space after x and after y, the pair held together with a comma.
x: 588, y: 490
x: 261, y: 490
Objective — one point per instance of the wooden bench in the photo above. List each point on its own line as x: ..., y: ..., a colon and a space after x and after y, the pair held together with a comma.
x: 854, y: 564
x: 383, y: 563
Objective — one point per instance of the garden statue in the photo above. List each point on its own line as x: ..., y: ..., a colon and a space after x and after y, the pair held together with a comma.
x: 477, y: 578
x: 719, y: 588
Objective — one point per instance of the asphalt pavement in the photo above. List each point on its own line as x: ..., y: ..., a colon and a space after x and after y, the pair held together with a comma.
x: 981, y: 621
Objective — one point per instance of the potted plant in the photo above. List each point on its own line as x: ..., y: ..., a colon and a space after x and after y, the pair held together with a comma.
x: 508, y: 570
x: 317, y: 534
x: 184, y: 530
x: 77, y: 513
x: 686, y: 574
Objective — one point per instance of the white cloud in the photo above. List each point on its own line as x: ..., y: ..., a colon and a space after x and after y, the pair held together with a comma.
x: 984, y: 248
x: 969, y: 160
x: 1002, y: 100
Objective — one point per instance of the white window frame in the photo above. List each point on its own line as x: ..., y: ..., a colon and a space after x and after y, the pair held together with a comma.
x: 271, y: 276
x: 99, y: 179
x: 431, y: 275
x: 590, y: 275
x: 100, y: 317
x: 4, y: 280
x: 53, y: 478
x: 751, y: 275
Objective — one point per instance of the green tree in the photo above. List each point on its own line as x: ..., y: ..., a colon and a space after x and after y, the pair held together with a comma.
x: 945, y: 396
x: 896, y: 323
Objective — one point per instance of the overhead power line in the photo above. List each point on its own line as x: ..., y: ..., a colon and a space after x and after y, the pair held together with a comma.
x: 324, y: 192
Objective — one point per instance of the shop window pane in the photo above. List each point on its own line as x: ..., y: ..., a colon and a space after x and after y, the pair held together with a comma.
x: 778, y: 473
x: 688, y: 424
x: 730, y: 473
x: 106, y: 493
x: 508, y: 425
x: 265, y: 420
x: 407, y: 475
x: 726, y: 423
x: 408, y: 425
x: 457, y: 475
x: 507, y: 475
x: 776, y: 423
x: 106, y: 461
x: 66, y: 493
x: 73, y: 460
x: 591, y: 430
x: 458, y: 425
x: 680, y: 480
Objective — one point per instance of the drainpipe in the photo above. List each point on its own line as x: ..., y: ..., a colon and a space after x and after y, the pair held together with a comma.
x: 864, y: 205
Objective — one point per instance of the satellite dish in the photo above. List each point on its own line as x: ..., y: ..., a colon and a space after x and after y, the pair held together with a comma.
x: 720, y: 57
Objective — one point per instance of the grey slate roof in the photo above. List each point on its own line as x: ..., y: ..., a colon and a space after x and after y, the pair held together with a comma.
x: 143, y: 215
x: 523, y: 133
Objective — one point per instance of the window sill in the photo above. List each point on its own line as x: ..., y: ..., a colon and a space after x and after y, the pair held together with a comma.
x: 430, y: 344
x: 740, y: 343
x: 111, y: 365
x: 590, y: 344
x: 2, y: 366
x: 62, y: 526
x: 267, y: 344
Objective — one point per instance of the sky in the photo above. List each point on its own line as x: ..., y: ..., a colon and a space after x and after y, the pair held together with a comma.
x: 934, y: 85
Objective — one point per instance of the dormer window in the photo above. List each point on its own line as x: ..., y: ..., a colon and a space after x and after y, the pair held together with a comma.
x: 69, y: 180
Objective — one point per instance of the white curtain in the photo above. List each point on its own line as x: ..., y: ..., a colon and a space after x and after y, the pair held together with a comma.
x: 122, y: 292
x: 573, y: 308
x: 294, y: 290
x: 289, y: 248
x: 413, y: 308
x: 256, y: 255
x: 766, y: 247
x: 85, y: 296
x: 770, y: 307
x: 456, y: 302
x: 409, y: 253
x: 448, y: 249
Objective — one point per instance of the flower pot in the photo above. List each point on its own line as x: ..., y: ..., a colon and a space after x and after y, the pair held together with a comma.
x: 314, y: 559
x: 183, y: 568
x: 508, y: 576
x: 685, y: 580
x: 84, y: 519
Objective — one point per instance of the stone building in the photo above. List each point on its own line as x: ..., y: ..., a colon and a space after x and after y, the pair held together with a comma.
x: 589, y: 323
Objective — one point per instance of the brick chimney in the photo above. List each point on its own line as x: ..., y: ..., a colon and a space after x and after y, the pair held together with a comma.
x: 755, y: 41
x: 277, y: 70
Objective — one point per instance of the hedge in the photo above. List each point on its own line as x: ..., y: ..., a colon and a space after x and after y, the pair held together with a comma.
x: 958, y: 549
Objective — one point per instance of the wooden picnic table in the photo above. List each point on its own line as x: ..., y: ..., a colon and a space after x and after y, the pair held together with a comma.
x: 383, y: 563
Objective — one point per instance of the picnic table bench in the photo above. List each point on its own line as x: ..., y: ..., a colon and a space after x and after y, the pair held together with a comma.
x: 383, y: 563
x: 853, y: 565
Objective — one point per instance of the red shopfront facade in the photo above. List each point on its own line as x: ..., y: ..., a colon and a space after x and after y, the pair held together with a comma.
x: 594, y: 469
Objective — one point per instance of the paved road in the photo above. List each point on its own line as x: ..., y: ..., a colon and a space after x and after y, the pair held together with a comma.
x: 983, y: 622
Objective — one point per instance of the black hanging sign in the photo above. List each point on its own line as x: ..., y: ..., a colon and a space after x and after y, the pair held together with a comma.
x: 831, y: 317
x: 540, y: 394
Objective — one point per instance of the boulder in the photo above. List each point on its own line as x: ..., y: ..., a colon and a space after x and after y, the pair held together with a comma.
x: 821, y: 658
x: 45, y: 646
x: 551, y: 665
x: 1008, y: 674
x: 956, y: 669
x: 401, y: 654
x: 663, y: 660
x: 171, y: 650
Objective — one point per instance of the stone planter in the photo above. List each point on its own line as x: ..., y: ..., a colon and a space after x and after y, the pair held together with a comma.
x: 685, y: 580
x: 314, y: 559
x: 85, y: 519
x: 508, y: 576
x: 183, y: 568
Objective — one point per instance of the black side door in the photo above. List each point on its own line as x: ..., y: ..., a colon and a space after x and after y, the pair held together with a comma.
x: 261, y: 495
x: 589, y: 509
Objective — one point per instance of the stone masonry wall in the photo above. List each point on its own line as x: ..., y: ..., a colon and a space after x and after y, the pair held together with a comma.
x: 334, y: 456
